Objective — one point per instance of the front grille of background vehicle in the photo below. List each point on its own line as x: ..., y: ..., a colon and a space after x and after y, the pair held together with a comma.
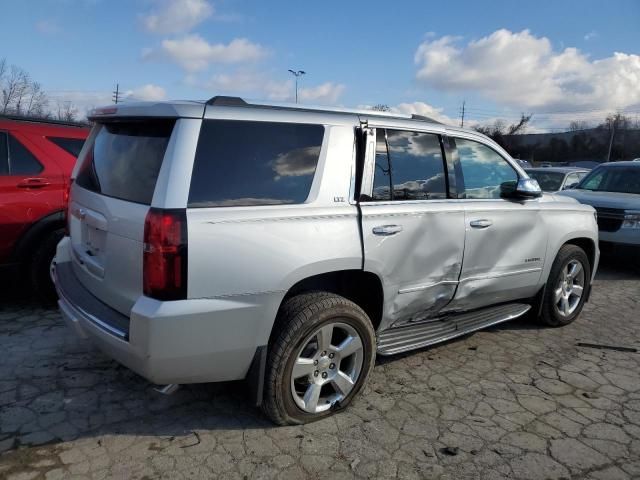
x: 609, y: 219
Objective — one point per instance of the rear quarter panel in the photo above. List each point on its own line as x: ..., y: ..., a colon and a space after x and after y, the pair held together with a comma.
x: 252, y: 251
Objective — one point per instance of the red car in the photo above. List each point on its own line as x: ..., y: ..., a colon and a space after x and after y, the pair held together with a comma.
x: 36, y: 159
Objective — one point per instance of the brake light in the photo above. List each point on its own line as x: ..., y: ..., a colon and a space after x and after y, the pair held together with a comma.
x: 164, y: 258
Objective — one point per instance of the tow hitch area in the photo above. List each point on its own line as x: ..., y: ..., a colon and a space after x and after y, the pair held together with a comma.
x: 167, y: 389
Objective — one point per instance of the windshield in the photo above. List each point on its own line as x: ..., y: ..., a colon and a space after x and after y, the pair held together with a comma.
x: 548, y: 181
x: 612, y: 179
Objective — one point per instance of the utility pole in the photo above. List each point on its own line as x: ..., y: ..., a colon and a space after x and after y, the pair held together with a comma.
x: 116, y: 94
x: 297, y: 73
x: 462, y: 117
x: 613, y: 132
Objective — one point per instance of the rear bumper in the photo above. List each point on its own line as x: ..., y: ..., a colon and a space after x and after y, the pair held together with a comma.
x: 187, y: 341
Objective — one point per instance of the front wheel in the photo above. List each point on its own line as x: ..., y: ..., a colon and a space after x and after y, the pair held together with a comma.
x: 566, y: 287
x: 320, y: 356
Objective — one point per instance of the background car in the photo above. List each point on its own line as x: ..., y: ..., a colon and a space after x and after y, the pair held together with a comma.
x: 554, y: 179
x: 613, y: 189
x: 36, y: 159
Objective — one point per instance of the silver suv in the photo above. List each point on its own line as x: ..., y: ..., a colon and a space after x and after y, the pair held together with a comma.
x: 222, y: 240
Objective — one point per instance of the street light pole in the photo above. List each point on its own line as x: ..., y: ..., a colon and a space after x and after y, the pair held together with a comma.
x: 297, y: 73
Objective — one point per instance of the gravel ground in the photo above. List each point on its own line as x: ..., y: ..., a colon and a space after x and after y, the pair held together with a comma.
x: 515, y: 401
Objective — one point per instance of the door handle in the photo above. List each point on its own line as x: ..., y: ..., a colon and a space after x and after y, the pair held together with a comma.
x: 482, y: 223
x: 387, y: 230
x: 33, y: 183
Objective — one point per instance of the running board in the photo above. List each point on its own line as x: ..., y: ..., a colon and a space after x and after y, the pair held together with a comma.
x: 409, y: 337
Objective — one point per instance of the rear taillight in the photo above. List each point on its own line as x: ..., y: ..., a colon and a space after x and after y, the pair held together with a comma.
x: 65, y: 205
x: 165, y: 254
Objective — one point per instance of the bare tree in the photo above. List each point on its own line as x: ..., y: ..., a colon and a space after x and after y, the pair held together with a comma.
x: 38, y: 104
x: 67, y: 111
x: 381, y: 107
x: 577, y: 125
x: 19, y: 94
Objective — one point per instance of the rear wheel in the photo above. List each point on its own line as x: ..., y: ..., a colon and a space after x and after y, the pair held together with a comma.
x: 566, y: 287
x: 319, y: 358
x: 40, y: 265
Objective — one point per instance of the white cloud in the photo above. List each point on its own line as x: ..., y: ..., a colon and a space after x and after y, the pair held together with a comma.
x: 193, y: 53
x: 421, y: 108
x: 591, y: 35
x: 327, y: 92
x: 148, y: 92
x: 177, y: 16
x: 261, y: 85
x: 48, y: 27
x: 523, y: 71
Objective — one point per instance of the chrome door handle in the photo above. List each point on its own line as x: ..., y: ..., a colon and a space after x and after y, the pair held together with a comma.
x: 386, y: 230
x: 483, y: 223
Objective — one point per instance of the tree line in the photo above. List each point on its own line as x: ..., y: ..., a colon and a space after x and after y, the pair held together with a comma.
x: 21, y: 95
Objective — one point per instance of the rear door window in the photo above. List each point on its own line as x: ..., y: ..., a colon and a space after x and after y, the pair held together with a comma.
x: 125, y: 159
x: 242, y: 163
x: 409, y: 166
x: 21, y: 160
x: 70, y: 145
x: 4, y: 154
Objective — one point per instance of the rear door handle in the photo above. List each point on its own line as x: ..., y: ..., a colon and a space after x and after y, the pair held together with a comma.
x: 33, y: 183
x: 482, y: 223
x: 386, y: 230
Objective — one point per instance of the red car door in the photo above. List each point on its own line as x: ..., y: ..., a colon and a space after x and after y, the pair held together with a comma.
x: 31, y: 186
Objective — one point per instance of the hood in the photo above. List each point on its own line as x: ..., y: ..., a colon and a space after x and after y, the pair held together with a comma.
x: 626, y: 201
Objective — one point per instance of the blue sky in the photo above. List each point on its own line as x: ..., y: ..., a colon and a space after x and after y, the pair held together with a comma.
x: 502, y: 57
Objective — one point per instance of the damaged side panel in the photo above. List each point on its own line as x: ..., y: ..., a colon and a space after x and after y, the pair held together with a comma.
x: 420, y: 263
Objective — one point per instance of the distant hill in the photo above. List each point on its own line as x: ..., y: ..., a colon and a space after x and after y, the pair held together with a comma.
x: 577, y: 146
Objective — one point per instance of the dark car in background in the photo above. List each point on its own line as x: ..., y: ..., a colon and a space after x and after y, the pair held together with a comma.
x: 36, y: 159
x: 613, y: 189
x: 554, y: 179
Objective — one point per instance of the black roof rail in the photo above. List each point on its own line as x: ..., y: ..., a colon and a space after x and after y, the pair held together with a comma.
x: 24, y: 118
x: 224, y: 101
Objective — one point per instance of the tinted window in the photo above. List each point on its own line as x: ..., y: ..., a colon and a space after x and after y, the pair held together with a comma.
x: 71, y: 145
x: 572, y: 179
x: 613, y: 179
x: 483, y: 169
x: 4, y: 155
x: 548, y: 181
x: 21, y: 160
x: 254, y: 163
x: 125, y: 158
x: 410, y: 161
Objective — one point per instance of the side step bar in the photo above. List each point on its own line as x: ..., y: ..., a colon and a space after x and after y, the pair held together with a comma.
x: 409, y: 337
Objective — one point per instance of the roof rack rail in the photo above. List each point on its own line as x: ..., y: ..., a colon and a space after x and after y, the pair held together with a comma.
x: 24, y: 118
x: 224, y: 101
x: 415, y: 116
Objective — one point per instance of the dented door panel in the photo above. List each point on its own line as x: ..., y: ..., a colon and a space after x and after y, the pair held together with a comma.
x: 420, y: 264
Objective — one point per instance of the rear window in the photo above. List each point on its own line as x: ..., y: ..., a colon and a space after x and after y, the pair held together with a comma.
x: 124, y: 159
x: 241, y: 163
x: 70, y: 145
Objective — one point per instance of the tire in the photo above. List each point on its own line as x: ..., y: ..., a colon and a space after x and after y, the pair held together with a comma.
x: 39, y: 267
x: 561, y: 304
x: 303, y: 321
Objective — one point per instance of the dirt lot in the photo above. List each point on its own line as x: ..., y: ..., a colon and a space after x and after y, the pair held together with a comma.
x: 516, y: 401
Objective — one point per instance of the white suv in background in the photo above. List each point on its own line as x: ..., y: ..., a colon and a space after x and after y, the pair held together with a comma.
x: 288, y: 246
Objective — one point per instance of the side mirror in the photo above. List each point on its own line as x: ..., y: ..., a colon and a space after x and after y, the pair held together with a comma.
x: 571, y: 185
x: 524, y: 188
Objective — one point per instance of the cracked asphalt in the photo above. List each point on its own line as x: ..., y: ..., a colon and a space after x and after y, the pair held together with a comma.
x: 515, y: 401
